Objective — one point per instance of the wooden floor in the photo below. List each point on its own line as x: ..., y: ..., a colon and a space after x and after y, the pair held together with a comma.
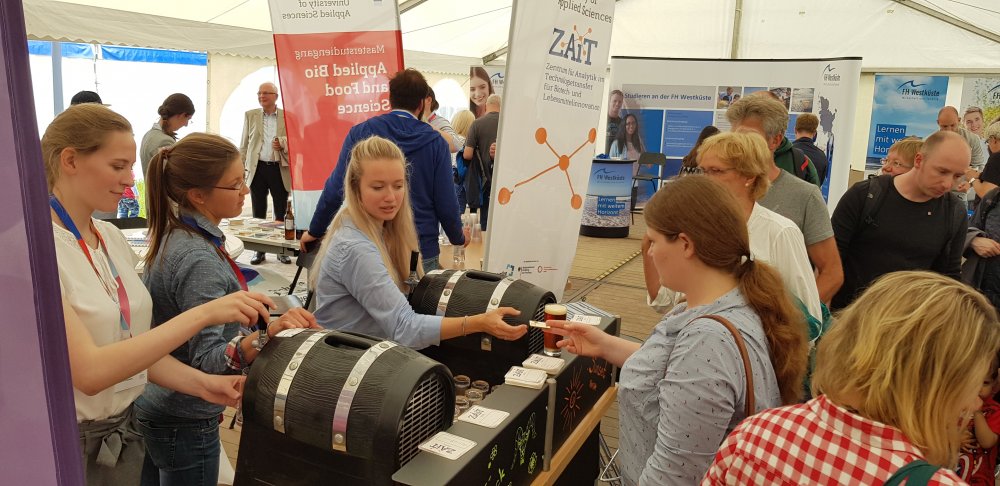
x: 606, y: 273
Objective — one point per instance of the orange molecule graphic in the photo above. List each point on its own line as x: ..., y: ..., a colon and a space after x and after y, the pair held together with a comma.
x: 563, y: 162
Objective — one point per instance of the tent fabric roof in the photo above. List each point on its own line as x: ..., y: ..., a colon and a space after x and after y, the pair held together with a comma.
x: 449, y: 35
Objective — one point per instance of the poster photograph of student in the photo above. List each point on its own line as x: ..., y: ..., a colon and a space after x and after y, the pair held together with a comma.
x: 728, y: 95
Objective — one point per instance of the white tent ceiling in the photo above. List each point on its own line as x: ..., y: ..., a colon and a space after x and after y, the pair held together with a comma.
x: 448, y: 35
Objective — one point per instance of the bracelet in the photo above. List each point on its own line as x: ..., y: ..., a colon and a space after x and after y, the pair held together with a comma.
x: 464, y: 320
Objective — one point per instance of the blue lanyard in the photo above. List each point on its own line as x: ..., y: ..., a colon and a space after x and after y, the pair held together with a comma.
x: 124, y: 311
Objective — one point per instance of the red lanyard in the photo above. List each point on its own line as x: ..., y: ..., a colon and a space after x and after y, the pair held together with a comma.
x: 123, y: 303
x: 218, y: 243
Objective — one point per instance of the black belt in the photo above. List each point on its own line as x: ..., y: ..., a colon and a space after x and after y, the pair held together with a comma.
x: 268, y: 162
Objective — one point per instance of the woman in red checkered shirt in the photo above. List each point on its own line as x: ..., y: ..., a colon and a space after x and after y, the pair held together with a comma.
x: 896, y: 380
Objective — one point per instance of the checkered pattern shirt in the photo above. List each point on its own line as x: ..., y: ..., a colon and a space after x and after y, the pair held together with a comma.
x: 815, y: 442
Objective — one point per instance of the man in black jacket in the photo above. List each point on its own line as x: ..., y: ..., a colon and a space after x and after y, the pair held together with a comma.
x: 805, y: 140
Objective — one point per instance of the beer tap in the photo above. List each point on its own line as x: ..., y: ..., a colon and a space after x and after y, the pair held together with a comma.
x: 412, y: 280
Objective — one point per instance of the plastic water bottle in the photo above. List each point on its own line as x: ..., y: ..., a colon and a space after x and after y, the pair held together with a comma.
x: 458, y: 257
x: 477, y: 233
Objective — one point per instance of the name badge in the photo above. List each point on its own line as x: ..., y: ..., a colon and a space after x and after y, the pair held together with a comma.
x: 139, y: 379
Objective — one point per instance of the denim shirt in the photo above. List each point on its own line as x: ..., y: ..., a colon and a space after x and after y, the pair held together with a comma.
x: 189, y: 272
x: 354, y: 292
x: 683, y: 391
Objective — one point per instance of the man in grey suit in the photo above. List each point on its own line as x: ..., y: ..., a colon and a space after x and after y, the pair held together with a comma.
x: 264, y: 147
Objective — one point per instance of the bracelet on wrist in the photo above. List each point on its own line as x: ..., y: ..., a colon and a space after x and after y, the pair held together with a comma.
x: 464, y: 320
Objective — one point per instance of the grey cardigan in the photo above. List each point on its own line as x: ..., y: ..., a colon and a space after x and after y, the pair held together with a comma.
x: 151, y: 143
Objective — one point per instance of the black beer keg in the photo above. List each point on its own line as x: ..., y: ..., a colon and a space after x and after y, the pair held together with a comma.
x: 454, y: 293
x: 328, y: 407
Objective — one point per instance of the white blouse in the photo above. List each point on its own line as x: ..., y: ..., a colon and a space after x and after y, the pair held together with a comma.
x: 85, y: 291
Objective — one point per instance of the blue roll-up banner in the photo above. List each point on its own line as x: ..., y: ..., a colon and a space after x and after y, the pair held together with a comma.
x: 902, y: 106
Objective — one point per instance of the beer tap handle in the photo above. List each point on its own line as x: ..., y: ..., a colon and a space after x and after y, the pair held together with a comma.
x: 412, y: 281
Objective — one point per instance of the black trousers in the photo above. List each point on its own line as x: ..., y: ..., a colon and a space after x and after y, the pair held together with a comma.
x: 267, y: 179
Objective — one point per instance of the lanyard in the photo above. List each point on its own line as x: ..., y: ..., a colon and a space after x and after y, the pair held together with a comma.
x: 404, y: 114
x: 124, y: 311
x: 218, y: 243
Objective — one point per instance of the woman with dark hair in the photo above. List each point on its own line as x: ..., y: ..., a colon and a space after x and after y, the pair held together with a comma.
x: 192, y: 186
x: 735, y: 347
x: 175, y: 113
x: 480, y: 88
x: 627, y: 144
x: 690, y: 161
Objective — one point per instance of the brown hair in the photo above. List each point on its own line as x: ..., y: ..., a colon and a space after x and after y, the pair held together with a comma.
x: 806, y: 122
x: 710, y: 216
x: 197, y: 161
x: 175, y: 104
x: 408, y: 89
x: 84, y: 128
x: 691, y: 159
x: 745, y: 151
x: 906, y: 350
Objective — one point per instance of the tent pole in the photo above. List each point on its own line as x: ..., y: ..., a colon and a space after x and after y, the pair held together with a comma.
x: 737, y: 18
x: 961, y: 24
x: 408, y: 4
x: 57, y: 78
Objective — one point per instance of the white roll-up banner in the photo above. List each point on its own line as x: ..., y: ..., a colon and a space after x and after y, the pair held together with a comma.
x: 553, y: 97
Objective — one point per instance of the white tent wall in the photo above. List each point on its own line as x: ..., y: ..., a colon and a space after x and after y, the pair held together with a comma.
x: 225, y: 74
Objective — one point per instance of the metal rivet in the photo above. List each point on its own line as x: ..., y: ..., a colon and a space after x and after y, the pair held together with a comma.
x: 353, y: 381
x: 338, y: 438
x: 495, y: 301
x: 447, y: 292
x: 279, y: 421
x: 293, y: 365
x: 384, y: 345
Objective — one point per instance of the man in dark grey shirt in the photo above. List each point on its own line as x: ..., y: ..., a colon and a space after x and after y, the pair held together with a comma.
x: 477, y: 154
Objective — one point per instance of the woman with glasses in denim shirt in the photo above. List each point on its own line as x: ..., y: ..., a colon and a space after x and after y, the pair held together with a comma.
x: 192, y: 186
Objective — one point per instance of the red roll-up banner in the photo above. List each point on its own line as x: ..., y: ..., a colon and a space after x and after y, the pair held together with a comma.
x: 335, y: 59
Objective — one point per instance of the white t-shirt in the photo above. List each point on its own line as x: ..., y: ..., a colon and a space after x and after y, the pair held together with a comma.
x: 99, y: 312
x: 777, y: 241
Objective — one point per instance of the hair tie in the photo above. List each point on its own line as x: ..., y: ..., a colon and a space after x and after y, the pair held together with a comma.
x: 745, y: 259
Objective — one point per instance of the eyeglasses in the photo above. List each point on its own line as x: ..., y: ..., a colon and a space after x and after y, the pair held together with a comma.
x: 244, y: 183
x: 895, y: 163
x: 266, y: 93
x: 711, y: 171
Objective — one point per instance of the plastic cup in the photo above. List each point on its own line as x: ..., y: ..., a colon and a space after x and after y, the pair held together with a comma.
x: 462, y: 383
x: 553, y: 312
x: 482, y: 386
x: 474, y: 396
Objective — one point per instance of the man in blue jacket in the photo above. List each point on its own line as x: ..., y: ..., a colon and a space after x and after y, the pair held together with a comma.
x: 432, y: 186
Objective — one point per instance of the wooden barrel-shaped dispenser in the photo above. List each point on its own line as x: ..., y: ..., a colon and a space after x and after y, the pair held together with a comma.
x: 329, y: 407
x: 455, y: 293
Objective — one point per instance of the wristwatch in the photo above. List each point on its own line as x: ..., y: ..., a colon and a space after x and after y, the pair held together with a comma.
x: 261, y: 340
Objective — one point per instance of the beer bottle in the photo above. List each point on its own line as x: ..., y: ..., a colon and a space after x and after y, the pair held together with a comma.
x: 289, y: 221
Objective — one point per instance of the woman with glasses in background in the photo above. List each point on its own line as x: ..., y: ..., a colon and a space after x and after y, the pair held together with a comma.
x: 899, y: 159
x: 192, y: 186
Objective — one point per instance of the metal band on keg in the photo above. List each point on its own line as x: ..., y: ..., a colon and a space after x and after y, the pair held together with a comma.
x: 350, y: 389
x: 434, y: 272
x: 446, y: 293
x: 498, y: 292
x: 285, y: 383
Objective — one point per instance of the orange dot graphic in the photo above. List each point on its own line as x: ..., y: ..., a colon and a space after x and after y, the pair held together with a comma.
x: 563, y: 162
x: 592, y: 135
x: 576, y: 201
x: 504, y: 196
x: 541, y: 135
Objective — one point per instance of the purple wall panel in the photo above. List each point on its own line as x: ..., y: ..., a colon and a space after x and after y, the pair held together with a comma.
x: 37, y: 415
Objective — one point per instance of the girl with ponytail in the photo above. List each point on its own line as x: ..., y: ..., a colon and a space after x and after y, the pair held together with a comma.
x: 684, y: 389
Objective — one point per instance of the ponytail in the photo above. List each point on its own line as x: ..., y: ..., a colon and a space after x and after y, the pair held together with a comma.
x: 159, y: 210
x: 765, y: 292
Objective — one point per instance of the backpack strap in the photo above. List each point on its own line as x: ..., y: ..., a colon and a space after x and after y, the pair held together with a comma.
x: 741, y: 345
x: 800, y: 163
x: 873, y: 200
x: 916, y: 473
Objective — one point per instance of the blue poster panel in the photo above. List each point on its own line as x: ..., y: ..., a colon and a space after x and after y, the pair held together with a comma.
x: 903, y: 106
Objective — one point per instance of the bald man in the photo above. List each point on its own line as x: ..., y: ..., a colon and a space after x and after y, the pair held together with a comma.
x: 912, y: 221
x: 949, y: 120
x: 264, y: 148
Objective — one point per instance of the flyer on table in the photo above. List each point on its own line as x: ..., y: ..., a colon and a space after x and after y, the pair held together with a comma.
x: 334, y: 64
x: 556, y: 70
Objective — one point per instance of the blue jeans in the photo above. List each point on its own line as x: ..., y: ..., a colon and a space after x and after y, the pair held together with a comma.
x: 431, y: 263
x: 128, y: 208
x: 462, y: 199
x: 179, y: 451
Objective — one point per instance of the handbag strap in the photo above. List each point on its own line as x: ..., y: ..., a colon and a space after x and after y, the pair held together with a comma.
x: 916, y: 473
x: 741, y: 345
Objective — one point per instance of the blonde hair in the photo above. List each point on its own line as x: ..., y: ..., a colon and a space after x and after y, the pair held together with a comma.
x: 84, y: 128
x: 772, y: 113
x: 746, y: 152
x: 462, y: 121
x: 396, y: 239
x: 907, y: 148
x: 907, y: 349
